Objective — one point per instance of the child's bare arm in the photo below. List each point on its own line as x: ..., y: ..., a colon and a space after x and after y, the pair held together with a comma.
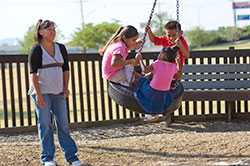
x: 118, y: 61
x: 178, y: 75
x: 148, y: 69
x: 150, y: 34
x: 182, y: 47
x: 184, y: 50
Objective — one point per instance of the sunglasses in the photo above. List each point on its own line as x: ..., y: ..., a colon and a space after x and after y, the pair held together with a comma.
x: 46, y: 24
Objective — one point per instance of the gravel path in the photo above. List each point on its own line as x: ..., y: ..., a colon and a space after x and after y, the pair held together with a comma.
x: 217, y: 143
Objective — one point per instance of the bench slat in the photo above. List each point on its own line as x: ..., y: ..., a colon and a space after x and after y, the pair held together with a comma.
x: 226, y: 84
x: 216, y: 68
x: 209, y: 95
x: 217, y: 76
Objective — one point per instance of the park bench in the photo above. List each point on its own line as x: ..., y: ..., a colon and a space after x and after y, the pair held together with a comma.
x: 217, y: 82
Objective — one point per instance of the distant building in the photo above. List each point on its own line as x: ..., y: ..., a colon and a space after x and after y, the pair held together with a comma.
x: 10, y: 49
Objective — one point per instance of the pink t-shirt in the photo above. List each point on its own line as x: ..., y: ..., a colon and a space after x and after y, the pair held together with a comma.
x: 163, y: 73
x: 118, y: 48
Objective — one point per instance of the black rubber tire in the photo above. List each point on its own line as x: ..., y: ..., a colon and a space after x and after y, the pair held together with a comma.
x: 124, y: 96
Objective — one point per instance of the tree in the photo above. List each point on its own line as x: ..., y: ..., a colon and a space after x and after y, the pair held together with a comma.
x: 158, y: 22
x: 230, y: 33
x: 198, y: 37
x: 157, y: 25
x: 28, y: 40
x: 246, y: 31
x: 94, y: 36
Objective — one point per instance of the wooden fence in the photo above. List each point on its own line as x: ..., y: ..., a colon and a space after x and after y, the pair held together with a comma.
x: 89, y: 103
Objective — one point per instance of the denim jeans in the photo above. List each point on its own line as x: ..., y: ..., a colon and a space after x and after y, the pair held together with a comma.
x: 56, y: 105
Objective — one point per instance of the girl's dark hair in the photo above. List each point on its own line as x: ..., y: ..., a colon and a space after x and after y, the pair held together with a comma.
x: 170, y: 53
x: 42, y: 25
x: 173, y: 25
x: 121, y: 33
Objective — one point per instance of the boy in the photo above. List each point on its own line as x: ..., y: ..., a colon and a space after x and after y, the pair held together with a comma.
x: 174, y: 36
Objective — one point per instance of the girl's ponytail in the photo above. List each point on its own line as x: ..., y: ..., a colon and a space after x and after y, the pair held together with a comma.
x: 121, y: 34
x: 111, y: 40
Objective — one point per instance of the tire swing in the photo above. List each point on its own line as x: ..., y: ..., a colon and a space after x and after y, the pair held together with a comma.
x: 124, y: 96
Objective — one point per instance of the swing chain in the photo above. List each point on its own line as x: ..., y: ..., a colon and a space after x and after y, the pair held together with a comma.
x: 148, y: 23
x: 177, y: 10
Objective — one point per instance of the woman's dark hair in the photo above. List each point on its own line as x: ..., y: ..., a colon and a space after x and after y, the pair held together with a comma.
x: 42, y: 25
x: 173, y: 25
x: 170, y: 53
x: 121, y: 33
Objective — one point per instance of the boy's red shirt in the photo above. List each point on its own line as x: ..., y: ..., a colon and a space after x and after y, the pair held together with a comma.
x: 165, y: 42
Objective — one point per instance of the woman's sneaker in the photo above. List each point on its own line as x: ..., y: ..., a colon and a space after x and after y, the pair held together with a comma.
x: 49, y: 163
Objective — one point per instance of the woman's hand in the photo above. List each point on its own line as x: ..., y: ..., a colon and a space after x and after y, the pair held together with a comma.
x: 66, y: 93
x: 40, y: 101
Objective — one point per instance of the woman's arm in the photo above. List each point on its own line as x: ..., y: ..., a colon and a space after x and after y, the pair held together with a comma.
x: 65, y: 68
x: 35, y: 83
x: 118, y: 61
x: 39, y: 97
x: 66, y: 83
x: 35, y: 62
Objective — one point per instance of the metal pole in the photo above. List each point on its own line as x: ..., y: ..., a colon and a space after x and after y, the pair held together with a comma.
x: 81, y: 8
x: 234, y: 14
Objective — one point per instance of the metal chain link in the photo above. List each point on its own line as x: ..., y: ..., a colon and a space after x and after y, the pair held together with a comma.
x: 148, y: 23
x: 177, y: 10
x: 144, y: 36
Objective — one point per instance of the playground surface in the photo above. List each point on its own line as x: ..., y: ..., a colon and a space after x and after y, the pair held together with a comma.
x: 204, y: 143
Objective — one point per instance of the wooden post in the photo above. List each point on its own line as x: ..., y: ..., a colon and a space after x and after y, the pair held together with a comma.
x: 230, y: 110
x: 231, y: 104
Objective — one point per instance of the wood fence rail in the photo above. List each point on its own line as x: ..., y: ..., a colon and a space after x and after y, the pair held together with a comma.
x: 89, y: 102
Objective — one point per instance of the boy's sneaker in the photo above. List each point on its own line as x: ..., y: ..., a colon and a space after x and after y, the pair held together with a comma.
x: 49, y: 163
x: 153, y: 118
x: 76, y: 163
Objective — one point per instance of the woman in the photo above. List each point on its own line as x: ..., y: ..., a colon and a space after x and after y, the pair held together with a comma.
x: 49, y: 74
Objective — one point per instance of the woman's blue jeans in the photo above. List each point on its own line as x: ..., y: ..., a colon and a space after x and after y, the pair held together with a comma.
x: 56, y: 105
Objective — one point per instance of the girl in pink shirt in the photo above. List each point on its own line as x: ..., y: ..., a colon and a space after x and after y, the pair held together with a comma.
x: 155, y: 96
x: 115, y: 65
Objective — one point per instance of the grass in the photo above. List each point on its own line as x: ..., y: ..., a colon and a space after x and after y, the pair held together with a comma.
x: 243, y: 44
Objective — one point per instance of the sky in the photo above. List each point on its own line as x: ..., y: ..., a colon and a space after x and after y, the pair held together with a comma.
x: 17, y: 15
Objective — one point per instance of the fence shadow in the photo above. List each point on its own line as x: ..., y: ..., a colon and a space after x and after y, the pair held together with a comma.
x: 165, y: 154
x: 139, y: 129
x: 217, y: 126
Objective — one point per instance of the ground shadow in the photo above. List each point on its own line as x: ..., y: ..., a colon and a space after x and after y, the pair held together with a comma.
x: 164, y: 154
